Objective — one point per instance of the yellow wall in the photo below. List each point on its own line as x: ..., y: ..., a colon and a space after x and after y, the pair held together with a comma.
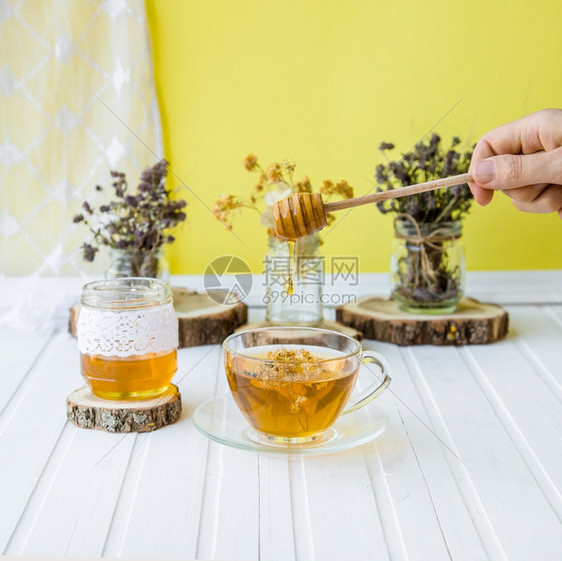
x: 323, y: 83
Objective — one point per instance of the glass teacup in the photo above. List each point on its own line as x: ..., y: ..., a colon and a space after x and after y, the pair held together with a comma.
x: 292, y: 383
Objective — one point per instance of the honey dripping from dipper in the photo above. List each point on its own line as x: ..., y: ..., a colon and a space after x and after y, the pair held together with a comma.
x: 291, y: 277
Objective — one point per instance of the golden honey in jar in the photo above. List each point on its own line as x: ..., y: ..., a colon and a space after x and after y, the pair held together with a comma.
x: 128, y: 337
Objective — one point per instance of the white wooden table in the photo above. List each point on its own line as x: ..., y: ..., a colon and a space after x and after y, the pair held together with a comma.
x: 469, y: 468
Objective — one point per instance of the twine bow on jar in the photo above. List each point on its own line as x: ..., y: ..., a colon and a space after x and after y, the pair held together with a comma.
x: 433, y: 240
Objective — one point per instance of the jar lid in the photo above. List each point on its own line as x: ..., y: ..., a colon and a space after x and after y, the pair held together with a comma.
x: 126, y: 293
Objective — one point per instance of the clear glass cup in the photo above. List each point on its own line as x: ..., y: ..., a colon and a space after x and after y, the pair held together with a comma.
x: 292, y: 383
x: 127, y: 337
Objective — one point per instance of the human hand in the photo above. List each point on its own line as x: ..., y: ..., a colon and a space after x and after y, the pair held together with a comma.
x: 524, y: 160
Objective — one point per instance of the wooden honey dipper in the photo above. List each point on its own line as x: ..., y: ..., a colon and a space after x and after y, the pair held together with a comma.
x: 303, y: 214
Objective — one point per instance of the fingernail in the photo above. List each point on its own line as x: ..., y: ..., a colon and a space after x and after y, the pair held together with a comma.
x: 485, y: 171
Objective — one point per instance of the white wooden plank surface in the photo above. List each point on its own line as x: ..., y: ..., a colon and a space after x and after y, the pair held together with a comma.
x: 173, y: 494
x: 71, y: 508
x: 230, y: 520
x: 491, y: 468
x: 538, y: 333
x: 18, y: 357
x: 533, y: 420
x: 160, y: 504
x: 424, y: 504
x: 31, y: 425
x: 279, y: 513
x: 340, y: 503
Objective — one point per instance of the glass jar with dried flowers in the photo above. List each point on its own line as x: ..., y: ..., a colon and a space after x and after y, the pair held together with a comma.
x: 294, y: 274
x: 134, y: 225
x: 427, y: 263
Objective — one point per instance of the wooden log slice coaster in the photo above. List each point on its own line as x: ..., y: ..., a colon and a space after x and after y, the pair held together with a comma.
x: 86, y: 410
x: 324, y: 324
x: 201, y: 320
x: 472, y: 323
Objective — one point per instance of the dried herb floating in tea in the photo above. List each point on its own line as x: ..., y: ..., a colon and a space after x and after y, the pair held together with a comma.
x: 291, y: 391
x: 291, y: 365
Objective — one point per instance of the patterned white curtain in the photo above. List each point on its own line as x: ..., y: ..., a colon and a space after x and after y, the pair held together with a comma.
x: 77, y: 100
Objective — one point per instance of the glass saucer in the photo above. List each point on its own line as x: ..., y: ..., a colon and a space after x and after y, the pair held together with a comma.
x: 220, y: 419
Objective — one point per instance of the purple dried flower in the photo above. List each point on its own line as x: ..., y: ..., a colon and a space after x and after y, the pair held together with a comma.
x: 425, y: 162
x: 379, y: 173
x: 146, y: 176
x: 139, y: 220
x: 131, y: 200
x: 386, y: 146
x: 89, y: 252
x: 401, y: 174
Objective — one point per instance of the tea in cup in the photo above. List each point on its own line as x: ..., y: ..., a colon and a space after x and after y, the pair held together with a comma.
x: 292, y: 383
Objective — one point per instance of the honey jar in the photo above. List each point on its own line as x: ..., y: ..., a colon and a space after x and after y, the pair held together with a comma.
x: 127, y: 337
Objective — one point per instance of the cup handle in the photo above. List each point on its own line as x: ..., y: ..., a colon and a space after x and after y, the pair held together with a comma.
x: 373, y: 391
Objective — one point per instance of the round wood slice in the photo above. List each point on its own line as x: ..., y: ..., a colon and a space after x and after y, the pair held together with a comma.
x: 324, y: 324
x: 473, y: 323
x: 86, y: 410
x: 201, y: 320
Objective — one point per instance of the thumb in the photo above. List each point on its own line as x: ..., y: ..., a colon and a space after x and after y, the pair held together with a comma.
x: 509, y: 172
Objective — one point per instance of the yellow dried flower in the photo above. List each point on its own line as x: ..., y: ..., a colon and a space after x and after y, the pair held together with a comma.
x: 303, y: 186
x: 341, y: 188
x: 274, y: 173
x: 289, y: 166
x: 327, y: 187
x: 251, y: 162
x: 259, y: 186
x: 277, y: 178
x: 344, y: 189
x: 225, y: 208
